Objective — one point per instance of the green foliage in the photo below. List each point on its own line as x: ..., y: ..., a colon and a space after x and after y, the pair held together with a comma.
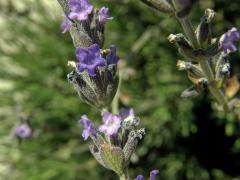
x: 33, y: 58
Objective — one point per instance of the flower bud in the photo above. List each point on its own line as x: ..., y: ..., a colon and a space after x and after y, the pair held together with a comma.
x: 195, y: 90
x: 192, y: 69
x: 184, y: 46
x: 204, y: 29
x: 222, y: 67
x: 113, y: 157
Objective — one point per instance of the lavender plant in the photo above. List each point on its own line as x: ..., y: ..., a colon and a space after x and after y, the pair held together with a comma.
x: 207, y: 57
x: 96, y: 79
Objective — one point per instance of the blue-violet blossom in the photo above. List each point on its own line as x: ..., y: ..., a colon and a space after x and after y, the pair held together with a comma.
x: 111, y: 124
x: 23, y: 131
x: 88, y: 126
x: 79, y: 9
x: 89, y: 59
x: 153, y: 175
x: 228, y: 40
x: 103, y: 15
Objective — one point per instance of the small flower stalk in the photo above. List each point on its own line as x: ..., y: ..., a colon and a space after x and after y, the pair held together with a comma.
x: 115, y: 140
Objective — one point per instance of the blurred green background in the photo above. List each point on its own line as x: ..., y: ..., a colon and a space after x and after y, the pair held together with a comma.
x: 184, y: 140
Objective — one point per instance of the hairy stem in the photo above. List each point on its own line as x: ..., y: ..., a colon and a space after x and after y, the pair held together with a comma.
x: 115, y: 103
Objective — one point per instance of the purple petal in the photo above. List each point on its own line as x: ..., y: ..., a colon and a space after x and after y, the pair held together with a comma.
x: 111, y: 124
x: 103, y: 15
x: 106, y: 117
x: 89, y: 59
x: 153, y: 174
x: 139, y: 177
x: 23, y: 131
x: 88, y: 127
x: 80, y: 9
x: 229, y: 39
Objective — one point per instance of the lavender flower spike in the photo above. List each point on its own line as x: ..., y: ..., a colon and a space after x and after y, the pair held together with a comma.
x: 89, y: 59
x: 228, y: 40
x: 88, y: 127
x: 111, y: 124
x: 103, y: 15
x: 66, y: 25
x: 79, y: 9
x: 23, y: 131
x: 153, y: 174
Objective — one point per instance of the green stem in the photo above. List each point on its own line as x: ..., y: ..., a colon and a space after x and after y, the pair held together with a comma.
x: 115, y: 103
x: 124, y: 176
x: 204, y: 63
x: 217, y: 93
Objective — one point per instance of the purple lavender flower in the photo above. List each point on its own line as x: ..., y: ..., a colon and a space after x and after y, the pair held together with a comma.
x: 112, y: 58
x: 103, y: 15
x: 139, y: 177
x: 228, y: 40
x: 80, y: 9
x: 23, y: 131
x: 153, y: 174
x: 88, y: 127
x: 66, y: 25
x: 111, y: 124
x: 89, y: 59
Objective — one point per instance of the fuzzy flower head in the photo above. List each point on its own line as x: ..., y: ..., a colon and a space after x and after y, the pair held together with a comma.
x: 23, y: 131
x: 153, y: 175
x: 88, y: 127
x: 66, y: 25
x: 103, y: 15
x: 89, y: 59
x: 229, y: 39
x: 80, y: 9
x: 111, y: 124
